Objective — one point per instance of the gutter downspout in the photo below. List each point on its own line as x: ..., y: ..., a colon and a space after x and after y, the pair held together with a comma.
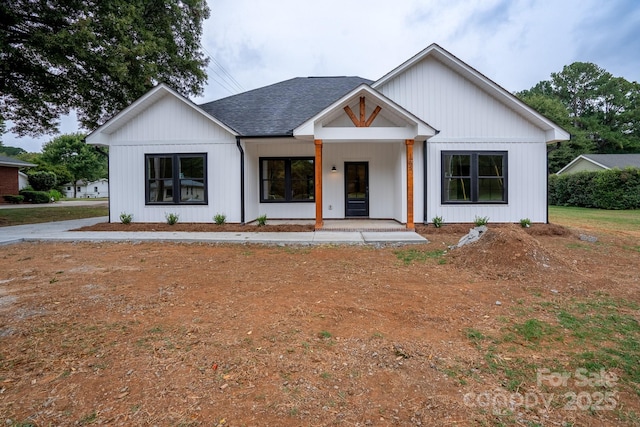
x: 242, y: 207
x: 425, y: 179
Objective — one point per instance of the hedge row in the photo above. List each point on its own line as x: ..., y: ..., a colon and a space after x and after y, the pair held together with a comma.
x: 13, y: 199
x: 610, y: 189
x: 31, y: 196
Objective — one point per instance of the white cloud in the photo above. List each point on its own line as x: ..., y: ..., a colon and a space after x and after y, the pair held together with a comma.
x: 516, y: 43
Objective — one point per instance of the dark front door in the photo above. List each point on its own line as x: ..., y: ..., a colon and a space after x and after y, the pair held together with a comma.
x: 356, y: 183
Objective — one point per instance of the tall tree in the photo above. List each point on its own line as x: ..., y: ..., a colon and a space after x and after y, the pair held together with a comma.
x: 80, y: 160
x: 94, y: 57
x: 578, y: 86
x: 601, y: 112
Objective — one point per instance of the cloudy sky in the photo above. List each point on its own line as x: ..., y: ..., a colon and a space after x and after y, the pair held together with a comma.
x: 516, y: 43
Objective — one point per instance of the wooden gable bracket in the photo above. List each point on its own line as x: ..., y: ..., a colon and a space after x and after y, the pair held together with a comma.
x: 361, y: 122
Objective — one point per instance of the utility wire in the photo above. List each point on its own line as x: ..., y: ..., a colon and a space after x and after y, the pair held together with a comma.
x: 225, y: 79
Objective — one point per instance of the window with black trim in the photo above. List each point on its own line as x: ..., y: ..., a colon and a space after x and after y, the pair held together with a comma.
x: 474, y: 177
x: 287, y: 179
x: 176, y: 179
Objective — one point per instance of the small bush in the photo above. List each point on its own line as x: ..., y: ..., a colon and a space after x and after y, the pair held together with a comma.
x: 437, y: 221
x: 126, y: 218
x: 13, y: 199
x: 525, y: 222
x: 55, y: 195
x: 172, y: 218
x: 262, y: 220
x: 220, y: 219
x: 481, y: 220
x: 35, y: 196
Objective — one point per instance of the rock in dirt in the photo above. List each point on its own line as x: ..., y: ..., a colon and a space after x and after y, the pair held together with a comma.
x: 474, y: 235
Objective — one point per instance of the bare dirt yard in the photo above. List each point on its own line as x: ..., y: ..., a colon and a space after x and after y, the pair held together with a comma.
x: 530, y: 327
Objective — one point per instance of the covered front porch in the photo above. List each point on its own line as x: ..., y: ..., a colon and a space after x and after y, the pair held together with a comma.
x: 364, y: 163
x: 364, y: 181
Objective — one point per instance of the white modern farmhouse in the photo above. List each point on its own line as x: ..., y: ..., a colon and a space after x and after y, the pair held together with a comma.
x: 433, y: 137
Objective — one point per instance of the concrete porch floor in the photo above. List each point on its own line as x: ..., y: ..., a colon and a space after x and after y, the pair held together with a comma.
x: 351, y: 224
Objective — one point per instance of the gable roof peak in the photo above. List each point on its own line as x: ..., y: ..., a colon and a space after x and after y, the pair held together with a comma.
x: 553, y: 132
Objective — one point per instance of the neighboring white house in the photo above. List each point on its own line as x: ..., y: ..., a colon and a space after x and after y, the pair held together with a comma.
x: 433, y: 137
x: 23, y: 180
x: 84, y: 190
x: 600, y: 162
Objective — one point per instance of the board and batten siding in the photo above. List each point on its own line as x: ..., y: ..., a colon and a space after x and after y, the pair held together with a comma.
x: 526, y: 180
x: 469, y: 118
x: 169, y: 119
x: 171, y: 126
x: 128, y: 183
x: 254, y: 150
x: 456, y: 107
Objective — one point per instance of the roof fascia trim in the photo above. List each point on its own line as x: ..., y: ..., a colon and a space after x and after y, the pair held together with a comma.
x: 577, y: 159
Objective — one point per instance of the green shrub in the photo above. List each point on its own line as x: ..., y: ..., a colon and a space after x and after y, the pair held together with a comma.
x: 525, y: 222
x: 13, y: 198
x: 31, y: 196
x: 220, y: 218
x: 172, y: 218
x: 262, y: 220
x: 437, y: 221
x: 55, y: 195
x: 42, y: 180
x: 126, y: 218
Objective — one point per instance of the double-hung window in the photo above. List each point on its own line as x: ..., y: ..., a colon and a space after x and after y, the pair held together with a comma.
x: 287, y: 179
x: 474, y: 177
x: 176, y: 179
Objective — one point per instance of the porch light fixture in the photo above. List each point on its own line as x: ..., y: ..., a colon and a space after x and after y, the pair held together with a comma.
x: 333, y: 169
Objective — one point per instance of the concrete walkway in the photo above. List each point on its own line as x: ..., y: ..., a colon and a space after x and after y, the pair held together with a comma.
x: 60, y: 232
x: 60, y: 204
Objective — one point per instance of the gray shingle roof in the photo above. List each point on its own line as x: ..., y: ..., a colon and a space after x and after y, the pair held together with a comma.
x: 616, y: 160
x: 10, y: 161
x: 276, y: 110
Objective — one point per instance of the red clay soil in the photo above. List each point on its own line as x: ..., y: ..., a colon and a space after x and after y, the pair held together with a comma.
x: 175, y: 334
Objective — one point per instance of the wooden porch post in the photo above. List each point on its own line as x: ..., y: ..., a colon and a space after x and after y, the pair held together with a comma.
x: 318, y: 186
x: 409, y: 144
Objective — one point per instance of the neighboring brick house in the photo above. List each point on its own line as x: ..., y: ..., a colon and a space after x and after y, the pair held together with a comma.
x: 9, y: 178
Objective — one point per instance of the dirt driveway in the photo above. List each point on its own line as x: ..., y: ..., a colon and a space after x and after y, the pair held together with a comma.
x: 239, y: 335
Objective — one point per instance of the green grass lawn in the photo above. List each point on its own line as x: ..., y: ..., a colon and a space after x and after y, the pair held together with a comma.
x: 37, y: 215
x: 585, y: 217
